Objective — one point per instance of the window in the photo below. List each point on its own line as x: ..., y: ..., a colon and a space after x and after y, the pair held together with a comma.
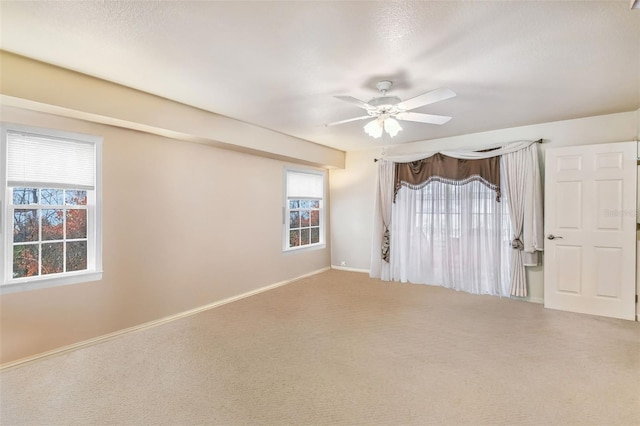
x: 51, y: 210
x: 304, y: 209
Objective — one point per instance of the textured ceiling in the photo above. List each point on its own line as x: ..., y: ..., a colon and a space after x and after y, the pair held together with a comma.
x: 280, y: 64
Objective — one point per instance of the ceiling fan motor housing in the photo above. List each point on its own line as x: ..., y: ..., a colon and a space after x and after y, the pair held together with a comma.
x: 386, y: 104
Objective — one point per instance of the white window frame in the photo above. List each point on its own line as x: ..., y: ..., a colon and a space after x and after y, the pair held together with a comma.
x: 285, y: 211
x: 8, y: 284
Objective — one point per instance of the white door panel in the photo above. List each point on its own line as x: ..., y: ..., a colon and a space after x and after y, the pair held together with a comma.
x: 590, y: 203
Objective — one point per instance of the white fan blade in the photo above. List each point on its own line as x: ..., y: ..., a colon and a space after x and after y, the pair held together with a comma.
x: 427, y: 98
x: 335, y: 123
x: 354, y: 101
x: 423, y: 118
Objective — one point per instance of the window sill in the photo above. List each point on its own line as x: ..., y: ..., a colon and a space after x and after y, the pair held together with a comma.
x: 304, y: 248
x: 38, y: 283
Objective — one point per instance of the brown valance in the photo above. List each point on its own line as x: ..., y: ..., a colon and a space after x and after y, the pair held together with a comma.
x: 455, y: 171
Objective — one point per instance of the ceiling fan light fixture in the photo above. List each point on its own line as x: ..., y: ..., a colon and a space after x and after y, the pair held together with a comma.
x: 373, y: 128
x: 392, y: 127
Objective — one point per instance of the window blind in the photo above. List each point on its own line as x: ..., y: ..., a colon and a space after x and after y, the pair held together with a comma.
x: 304, y: 185
x: 43, y: 161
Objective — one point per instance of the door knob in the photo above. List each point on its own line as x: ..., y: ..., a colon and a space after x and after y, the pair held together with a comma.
x: 553, y: 237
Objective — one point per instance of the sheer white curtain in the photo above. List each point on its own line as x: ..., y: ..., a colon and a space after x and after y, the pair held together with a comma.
x: 456, y: 236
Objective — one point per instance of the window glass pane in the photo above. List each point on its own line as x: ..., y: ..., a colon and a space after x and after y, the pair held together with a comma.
x: 52, y: 258
x: 294, y: 219
x: 76, y: 256
x: 304, y: 204
x: 25, y: 260
x: 75, y: 198
x: 25, y: 195
x: 52, y: 222
x: 304, y: 237
x: 315, y: 235
x: 294, y: 238
x: 52, y: 197
x: 293, y: 204
x: 314, y: 204
x: 25, y: 225
x: 76, y: 223
x: 315, y: 218
x: 304, y: 218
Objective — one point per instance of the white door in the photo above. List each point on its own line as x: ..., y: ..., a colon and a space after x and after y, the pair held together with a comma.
x: 590, y: 224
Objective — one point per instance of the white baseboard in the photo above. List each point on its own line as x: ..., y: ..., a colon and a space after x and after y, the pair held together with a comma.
x: 154, y: 323
x: 344, y: 268
x: 539, y: 300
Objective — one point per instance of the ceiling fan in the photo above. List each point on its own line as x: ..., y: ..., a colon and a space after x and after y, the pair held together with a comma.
x: 386, y: 109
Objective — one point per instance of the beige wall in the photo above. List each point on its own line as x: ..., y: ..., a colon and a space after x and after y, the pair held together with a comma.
x: 42, y: 87
x: 184, y: 225
x: 353, y: 189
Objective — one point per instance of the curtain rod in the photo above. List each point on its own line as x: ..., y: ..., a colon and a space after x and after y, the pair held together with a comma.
x: 375, y: 160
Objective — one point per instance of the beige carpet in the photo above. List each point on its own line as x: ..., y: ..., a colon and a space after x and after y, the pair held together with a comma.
x: 339, y: 348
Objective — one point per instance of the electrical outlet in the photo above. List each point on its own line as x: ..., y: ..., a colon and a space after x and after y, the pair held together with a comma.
x: 343, y: 263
